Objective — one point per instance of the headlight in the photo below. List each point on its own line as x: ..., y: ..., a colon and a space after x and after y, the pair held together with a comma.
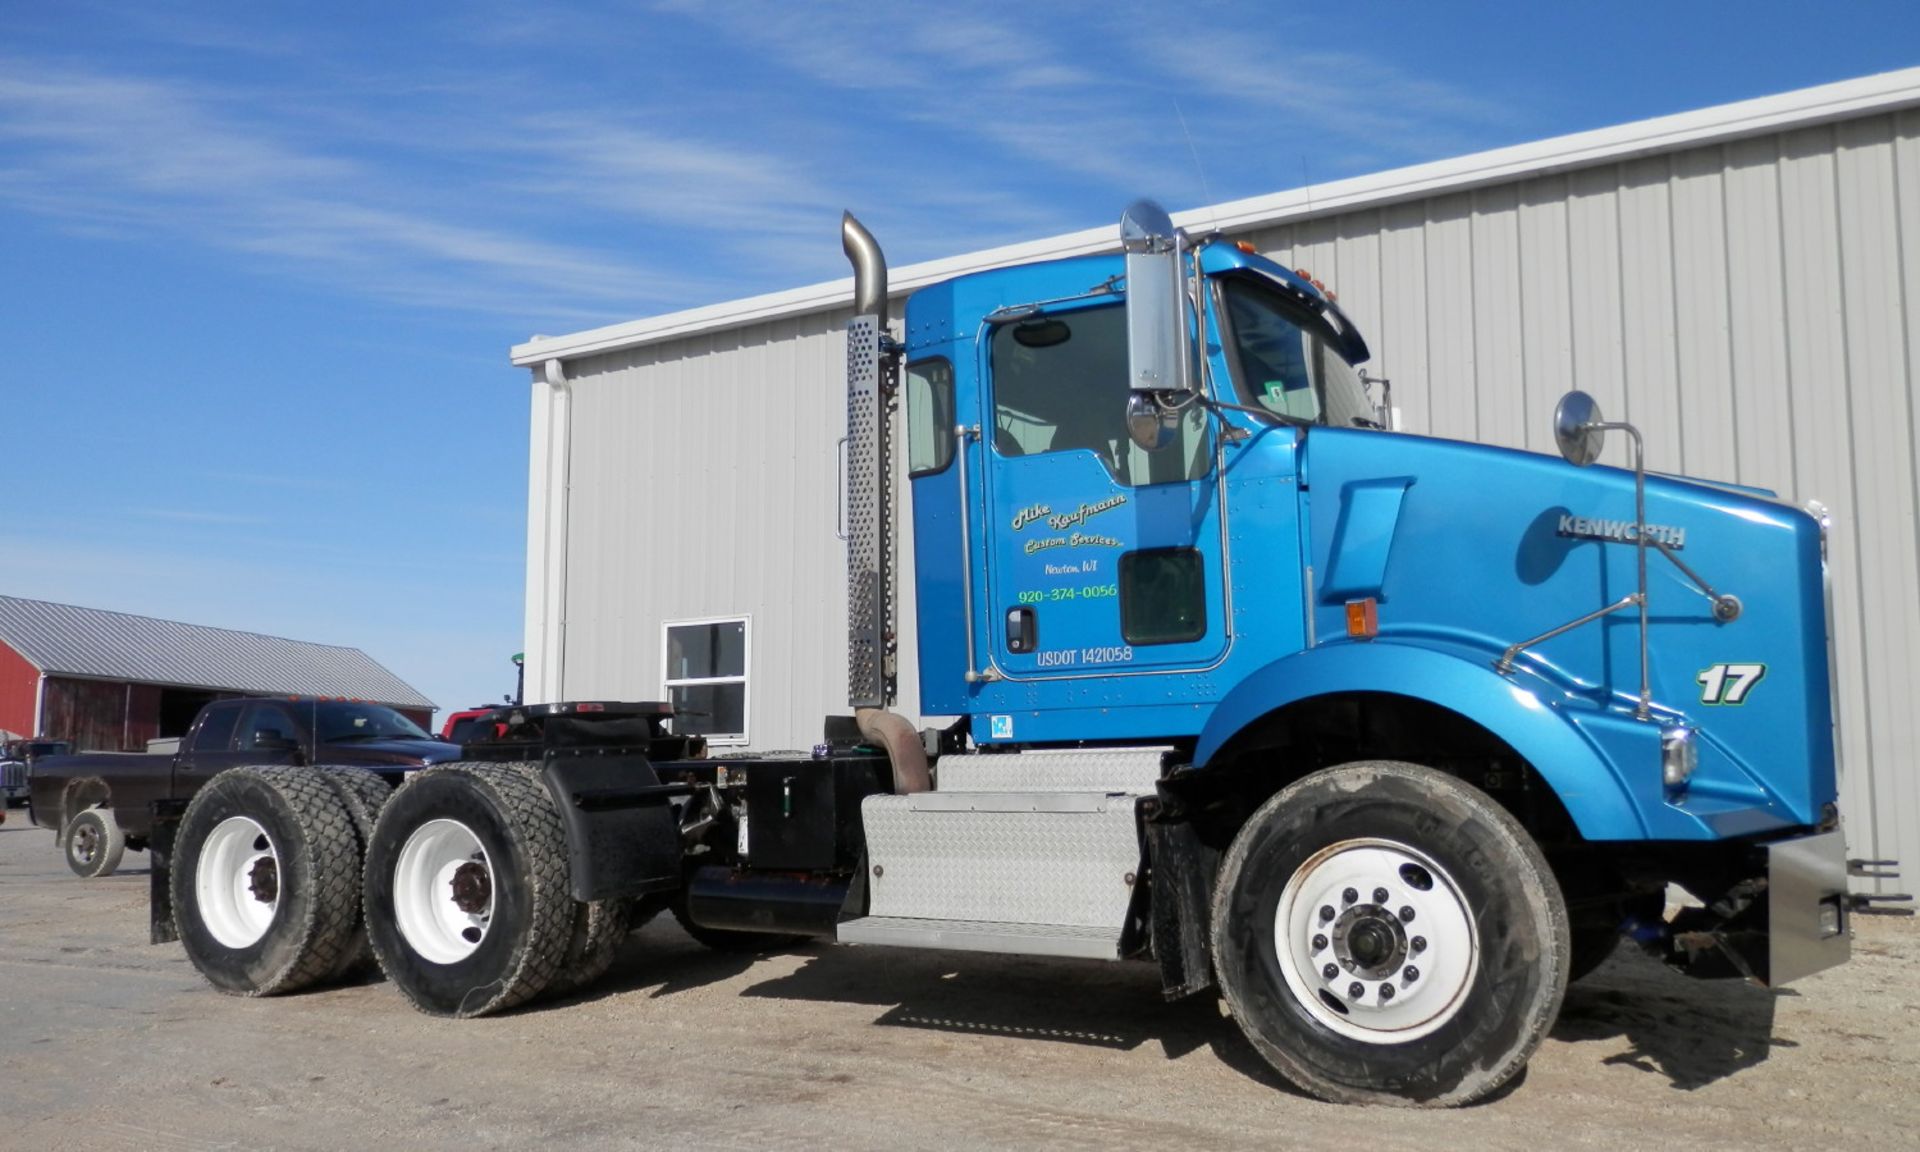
x: 1679, y: 755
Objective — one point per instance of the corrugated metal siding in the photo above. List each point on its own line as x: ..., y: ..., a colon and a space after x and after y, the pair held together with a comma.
x: 74, y: 641
x: 1752, y: 304
x: 19, y: 692
x: 703, y: 482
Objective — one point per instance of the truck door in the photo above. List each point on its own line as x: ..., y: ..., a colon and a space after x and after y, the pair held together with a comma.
x: 1101, y: 558
x: 231, y: 733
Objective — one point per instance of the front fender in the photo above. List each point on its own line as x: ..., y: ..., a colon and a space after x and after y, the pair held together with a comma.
x: 1529, y: 714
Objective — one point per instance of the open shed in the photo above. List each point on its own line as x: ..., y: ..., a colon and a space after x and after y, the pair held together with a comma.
x: 110, y: 681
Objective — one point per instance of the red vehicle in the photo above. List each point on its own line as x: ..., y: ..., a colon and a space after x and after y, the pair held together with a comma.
x: 465, y: 725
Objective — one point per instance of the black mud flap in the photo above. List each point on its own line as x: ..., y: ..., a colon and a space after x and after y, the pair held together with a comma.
x: 1183, y: 870
x: 623, y: 836
x: 166, y: 816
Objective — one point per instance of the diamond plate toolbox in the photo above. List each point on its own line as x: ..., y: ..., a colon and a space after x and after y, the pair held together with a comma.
x: 1022, y: 858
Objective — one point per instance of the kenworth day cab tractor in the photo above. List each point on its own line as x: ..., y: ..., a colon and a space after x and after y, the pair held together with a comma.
x: 1386, y: 737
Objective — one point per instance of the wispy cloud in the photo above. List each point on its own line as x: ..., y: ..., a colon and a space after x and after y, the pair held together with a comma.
x: 490, y: 185
x: 144, y: 156
x: 195, y: 516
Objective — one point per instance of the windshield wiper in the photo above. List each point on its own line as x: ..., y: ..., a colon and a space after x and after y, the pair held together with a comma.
x: 1363, y: 422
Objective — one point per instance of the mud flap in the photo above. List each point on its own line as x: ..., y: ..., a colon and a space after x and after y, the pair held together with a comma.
x: 166, y: 826
x: 1183, y: 870
x: 623, y: 838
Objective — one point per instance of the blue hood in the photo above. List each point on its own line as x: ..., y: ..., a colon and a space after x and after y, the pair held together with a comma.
x: 1475, y: 548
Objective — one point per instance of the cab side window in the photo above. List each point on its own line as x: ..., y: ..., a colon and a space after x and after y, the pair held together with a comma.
x: 215, y: 733
x: 267, y: 725
x: 1060, y: 385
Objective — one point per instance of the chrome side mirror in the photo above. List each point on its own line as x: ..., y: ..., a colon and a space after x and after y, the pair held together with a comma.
x: 1151, y: 424
x: 1156, y: 315
x: 1578, y: 428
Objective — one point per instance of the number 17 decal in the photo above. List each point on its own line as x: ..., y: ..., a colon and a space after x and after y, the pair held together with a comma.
x: 1729, y: 683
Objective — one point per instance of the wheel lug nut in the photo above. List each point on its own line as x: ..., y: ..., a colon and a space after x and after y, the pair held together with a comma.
x: 1349, y: 896
x: 1419, y: 943
x: 1356, y: 990
x: 1411, y: 973
x: 1330, y: 971
x: 1326, y: 912
x: 1406, y: 913
x: 1319, y: 943
x: 1386, y: 991
x: 1379, y: 895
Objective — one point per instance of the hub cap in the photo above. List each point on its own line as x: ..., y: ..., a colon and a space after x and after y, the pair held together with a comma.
x: 443, y: 891
x: 86, y: 844
x: 237, y: 882
x: 1375, y: 941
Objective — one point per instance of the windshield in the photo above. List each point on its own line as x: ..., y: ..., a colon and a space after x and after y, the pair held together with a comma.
x: 334, y: 722
x: 1284, y: 364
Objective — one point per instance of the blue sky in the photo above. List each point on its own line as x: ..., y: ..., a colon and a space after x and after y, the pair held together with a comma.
x: 262, y: 264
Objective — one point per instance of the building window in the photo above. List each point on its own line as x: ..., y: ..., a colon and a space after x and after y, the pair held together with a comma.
x: 706, y: 678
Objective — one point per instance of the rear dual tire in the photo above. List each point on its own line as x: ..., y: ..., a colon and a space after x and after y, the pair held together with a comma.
x: 265, y: 881
x: 467, y: 901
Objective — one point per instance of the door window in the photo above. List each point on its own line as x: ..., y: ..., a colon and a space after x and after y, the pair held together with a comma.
x: 1060, y: 385
x: 216, y: 729
x: 266, y: 728
x: 1163, y: 596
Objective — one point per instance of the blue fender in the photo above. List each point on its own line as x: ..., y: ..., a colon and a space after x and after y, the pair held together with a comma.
x: 1525, y: 711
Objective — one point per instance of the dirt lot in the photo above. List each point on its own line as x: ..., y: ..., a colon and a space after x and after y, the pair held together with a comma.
x: 107, y: 1042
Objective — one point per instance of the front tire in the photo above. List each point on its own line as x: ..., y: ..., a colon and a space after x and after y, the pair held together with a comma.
x: 1384, y: 933
x: 466, y: 896
x: 94, y: 843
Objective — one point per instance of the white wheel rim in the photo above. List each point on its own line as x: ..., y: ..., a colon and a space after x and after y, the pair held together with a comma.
x: 426, y: 903
x: 237, y: 882
x: 1411, y: 956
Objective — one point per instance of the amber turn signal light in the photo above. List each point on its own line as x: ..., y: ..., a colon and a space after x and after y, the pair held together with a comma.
x: 1363, y: 618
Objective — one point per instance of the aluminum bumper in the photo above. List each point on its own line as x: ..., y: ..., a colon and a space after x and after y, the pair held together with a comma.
x: 1809, y: 917
x: 1790, y: 918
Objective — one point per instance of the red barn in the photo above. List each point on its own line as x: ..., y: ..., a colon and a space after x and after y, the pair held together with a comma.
x: 109, y: 681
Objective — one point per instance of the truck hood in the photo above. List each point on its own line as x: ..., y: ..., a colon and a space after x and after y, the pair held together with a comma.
x: 405, y: 752
x: 1479, y: 547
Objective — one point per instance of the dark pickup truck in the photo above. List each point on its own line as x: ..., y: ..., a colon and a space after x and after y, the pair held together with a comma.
x: 97, y: 803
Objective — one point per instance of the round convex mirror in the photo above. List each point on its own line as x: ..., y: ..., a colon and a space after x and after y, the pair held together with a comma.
x: 1576, y: 428
x: 1151, y: 424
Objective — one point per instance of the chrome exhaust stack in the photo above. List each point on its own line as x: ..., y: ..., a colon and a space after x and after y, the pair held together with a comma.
x: 873, y: 393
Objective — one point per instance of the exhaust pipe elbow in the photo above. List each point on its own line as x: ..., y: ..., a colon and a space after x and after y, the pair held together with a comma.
x: 869, y: 268
x: 891, y: 731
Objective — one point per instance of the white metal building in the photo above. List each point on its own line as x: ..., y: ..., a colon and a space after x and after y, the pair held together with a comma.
x: 1743, y: 282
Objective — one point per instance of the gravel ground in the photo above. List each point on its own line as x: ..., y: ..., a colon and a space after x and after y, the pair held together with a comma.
x: 107, y: 1042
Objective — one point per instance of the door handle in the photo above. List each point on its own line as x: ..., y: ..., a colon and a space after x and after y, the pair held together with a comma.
x: 1023, y: 630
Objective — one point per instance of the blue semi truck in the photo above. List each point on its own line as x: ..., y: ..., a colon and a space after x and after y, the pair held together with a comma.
x: 1384, y: 737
